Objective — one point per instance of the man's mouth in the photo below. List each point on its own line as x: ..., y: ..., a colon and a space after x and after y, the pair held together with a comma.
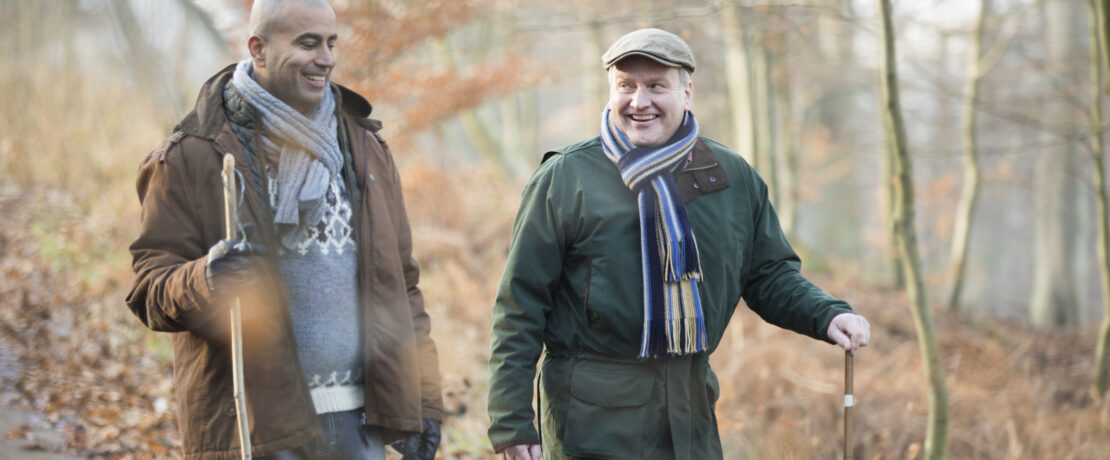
x: 643, y: 117
x: 317, y: 81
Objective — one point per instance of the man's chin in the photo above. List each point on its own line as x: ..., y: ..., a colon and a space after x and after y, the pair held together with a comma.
x: 311, y: 100
x: 646, y: 142
x: 644, y: 138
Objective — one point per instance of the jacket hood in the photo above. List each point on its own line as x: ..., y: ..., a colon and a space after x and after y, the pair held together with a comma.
x: 207, y: 118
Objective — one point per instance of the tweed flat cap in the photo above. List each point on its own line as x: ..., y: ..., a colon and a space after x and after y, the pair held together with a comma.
x: 662, y: 46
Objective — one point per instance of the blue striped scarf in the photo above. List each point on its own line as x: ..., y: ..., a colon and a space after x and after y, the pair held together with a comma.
x: 674, y: 324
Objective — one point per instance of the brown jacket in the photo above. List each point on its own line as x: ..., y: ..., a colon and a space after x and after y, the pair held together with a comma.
x: 182, y: 216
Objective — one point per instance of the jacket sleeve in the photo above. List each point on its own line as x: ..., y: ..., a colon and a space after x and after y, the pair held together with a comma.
x: 168, y: 257
x: 431, y: 395
x: 524, y: 298
x: 774, y: 288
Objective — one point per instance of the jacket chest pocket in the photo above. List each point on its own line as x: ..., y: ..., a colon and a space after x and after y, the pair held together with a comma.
x: 591, y: 315
x: 610, y: 414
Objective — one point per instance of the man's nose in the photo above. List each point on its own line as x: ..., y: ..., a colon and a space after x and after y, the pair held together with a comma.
x: 325, y: 57
x: 640, y: 99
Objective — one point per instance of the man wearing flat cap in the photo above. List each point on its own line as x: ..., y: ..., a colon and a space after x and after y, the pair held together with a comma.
x: 629, y: 254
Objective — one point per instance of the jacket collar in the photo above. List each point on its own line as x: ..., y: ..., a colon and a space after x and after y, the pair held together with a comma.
x: 702, y: 175
x: 700, y: 157
x: 207, y: 119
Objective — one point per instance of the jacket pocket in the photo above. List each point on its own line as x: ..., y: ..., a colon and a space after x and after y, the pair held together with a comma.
x: 712, y: 388
x: 608, y: 409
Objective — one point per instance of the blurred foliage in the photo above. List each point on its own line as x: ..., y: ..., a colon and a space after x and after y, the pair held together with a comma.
x: 384, y: 56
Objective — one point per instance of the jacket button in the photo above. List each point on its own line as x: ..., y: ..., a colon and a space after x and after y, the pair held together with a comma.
x: 696, y: 186
x: 371, y: 176
x: 231, y: 411
x: 712, y: 179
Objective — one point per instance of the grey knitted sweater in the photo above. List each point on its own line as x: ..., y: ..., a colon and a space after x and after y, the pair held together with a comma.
x: 319, y: 275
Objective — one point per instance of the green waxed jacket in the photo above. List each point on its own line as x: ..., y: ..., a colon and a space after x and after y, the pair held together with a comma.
x: 572, y: 289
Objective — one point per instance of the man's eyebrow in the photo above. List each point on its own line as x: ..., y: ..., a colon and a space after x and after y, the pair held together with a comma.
x: 315, y: 36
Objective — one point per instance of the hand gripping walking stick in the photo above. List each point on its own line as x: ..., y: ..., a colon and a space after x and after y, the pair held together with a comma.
x: 231, y: 226
x: 848, y: 403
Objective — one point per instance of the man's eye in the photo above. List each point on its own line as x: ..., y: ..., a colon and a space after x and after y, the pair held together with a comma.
x: 308, y: 45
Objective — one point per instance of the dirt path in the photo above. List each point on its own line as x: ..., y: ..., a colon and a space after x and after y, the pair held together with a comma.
x: 35, y: 440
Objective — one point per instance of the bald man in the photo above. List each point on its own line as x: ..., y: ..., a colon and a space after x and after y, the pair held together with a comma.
x: 337, y: 354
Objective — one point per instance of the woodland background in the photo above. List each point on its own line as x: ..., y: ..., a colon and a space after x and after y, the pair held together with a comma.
x: 472, y: 92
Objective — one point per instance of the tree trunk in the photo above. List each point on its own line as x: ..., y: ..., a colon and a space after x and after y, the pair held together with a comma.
x: 519, y: 129
x: 1054, y: 300
x: 1099, y: 55
x: 518, y: 119
x: 936, y: 437
x: 965, y: 210
x: 831, y: 145
x: 888, y: 204
x: 509, y: 114
x: 147, y: 64
x: 765, y: 120
x: 738, y: 73
x: 529, y: 138
x: 594, y: 82
x: 1104, y: 36
x: 787, y: 167
x: 477, y: 130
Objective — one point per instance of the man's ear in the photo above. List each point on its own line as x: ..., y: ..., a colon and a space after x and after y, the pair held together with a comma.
x: 689, y: 94
x: 256, y: 45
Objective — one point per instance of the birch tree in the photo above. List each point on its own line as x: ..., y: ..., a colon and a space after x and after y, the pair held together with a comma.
x: 595, y: 84
x: 1054, y: 299
x: 787, y: 132
x: 834, y: 134
x: 936, y: 437
x: 1100, y: 56
x: 763, y: 115
x: 978, y: 66
x: 738, y: 73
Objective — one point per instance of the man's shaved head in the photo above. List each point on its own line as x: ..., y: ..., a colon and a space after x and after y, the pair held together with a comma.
x: 291, y: 45
x: 266, y: 15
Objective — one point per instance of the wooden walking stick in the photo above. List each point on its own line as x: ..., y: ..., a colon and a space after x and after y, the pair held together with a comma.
x: 848, y: 403
x: 231, y: 227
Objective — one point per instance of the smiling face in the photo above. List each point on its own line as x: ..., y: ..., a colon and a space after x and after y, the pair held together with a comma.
x: 648, y: 100
x: 292, y: 52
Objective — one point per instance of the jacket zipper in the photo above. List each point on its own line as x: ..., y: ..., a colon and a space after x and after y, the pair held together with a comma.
x: 586, y: 294
x: 700, y: 168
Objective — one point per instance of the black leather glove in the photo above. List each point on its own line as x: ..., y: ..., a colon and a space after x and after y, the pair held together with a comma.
x: 230, y: 264
x: 420, y: 446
